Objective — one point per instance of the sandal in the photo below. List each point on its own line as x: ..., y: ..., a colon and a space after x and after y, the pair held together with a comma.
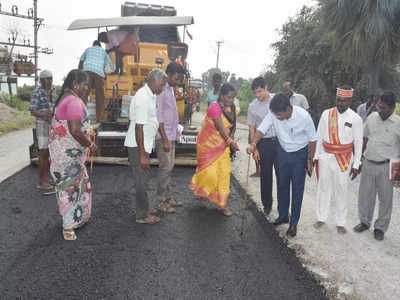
x: 148, y: 220
x: 48, y: 187
x: 165, y: 207
x: 69, y: 234
x: 226, y: 212
x: 174, y: 203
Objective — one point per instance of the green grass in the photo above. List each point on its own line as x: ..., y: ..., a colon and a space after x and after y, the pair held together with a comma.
x: 22, y: 120
x: 398, y: 109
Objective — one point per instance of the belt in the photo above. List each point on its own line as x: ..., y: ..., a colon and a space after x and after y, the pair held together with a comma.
x: 269, y: 139
x: 379, y: 162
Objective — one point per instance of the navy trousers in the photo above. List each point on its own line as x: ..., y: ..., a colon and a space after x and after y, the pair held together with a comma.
x: 267, y: 149
x: 292, y: 173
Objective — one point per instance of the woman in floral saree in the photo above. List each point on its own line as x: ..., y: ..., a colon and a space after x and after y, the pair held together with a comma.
x: 215, y: 139
x: 69, y: 143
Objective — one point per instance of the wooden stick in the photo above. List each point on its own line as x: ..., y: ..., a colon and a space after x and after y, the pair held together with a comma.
x: 247, y: 184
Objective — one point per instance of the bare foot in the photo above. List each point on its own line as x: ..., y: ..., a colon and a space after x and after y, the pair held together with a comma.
x: 203, y: 202
x: 174, y: 203
x: 341, y: 229
x: 226, y: 212
x: 318, y: 224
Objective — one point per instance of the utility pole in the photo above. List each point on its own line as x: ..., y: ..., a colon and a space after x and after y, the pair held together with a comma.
x: 37, y: 22
x: 218, y: 45
x: 36, y: 25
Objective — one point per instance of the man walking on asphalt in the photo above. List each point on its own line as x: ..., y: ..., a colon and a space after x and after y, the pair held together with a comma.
x: 142, y: 130
x: 93, y: 61
x: 266, y: 147
x: 381, y: 143
x: 296, y: 135
x: 167, y: 115
x: 339, y: 135
x: 295, y: 99
x: 41, y: 107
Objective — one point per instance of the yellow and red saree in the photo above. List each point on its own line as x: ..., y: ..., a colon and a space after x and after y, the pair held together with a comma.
x: 212, y: 177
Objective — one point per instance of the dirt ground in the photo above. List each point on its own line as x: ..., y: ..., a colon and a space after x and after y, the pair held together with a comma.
x: 350, y: 266
x: 7, y: 113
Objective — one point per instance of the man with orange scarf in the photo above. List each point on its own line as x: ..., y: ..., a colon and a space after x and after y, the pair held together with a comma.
x: 337, y: 157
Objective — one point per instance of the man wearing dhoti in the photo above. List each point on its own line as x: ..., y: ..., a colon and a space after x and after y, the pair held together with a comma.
x: 337, y: 157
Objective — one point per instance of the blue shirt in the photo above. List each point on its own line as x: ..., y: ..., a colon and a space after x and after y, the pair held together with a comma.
x: 211, y: 97
x: 294, y: 133
x: 94, y: 60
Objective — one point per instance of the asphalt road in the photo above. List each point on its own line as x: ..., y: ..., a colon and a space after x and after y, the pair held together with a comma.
x: 193, y: 254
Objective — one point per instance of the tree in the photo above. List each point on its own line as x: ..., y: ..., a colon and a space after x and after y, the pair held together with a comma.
x: 207, y: 77
x: 366, y: 32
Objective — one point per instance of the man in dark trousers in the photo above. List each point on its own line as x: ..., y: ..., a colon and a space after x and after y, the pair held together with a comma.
x: 266, y: 147
x: 297, y: 138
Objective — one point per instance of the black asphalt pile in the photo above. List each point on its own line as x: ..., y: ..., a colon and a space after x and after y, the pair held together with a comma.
x: 195, y: 253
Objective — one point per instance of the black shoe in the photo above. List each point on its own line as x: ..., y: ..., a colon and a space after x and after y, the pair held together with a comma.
x: 280, y: 221
x: 379, y: 234
x: 292, y: 231
x: 360, y: 227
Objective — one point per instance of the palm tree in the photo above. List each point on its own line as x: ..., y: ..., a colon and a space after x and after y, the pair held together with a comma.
x: 366, y: 33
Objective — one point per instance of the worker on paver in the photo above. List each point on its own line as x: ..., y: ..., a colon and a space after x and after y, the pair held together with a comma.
x: 295, y: 98
x: 93, y: 61
x: 41, y: 107
x: 339, y: 135
x: 266, y: 147
x: 168, y: 133
x: 296, y: 135
x: 381, y: 143
x: 140, y: 137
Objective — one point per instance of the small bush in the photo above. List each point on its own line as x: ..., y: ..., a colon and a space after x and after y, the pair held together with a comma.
x: 14, y: 102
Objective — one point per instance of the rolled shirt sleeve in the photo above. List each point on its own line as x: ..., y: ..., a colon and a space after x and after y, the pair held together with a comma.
x: 358, y: 141
x: 251, y: 120
x: 141, y: 110
x: 310, y: 129
x: 266, y: 124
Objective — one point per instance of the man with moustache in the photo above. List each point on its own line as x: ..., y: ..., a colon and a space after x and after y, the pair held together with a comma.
x: 337, y: 157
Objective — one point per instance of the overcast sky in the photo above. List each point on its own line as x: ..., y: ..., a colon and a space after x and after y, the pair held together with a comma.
x: 247, y: 29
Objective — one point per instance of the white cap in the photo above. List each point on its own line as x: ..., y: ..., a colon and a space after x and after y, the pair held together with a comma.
x: 46, y: 74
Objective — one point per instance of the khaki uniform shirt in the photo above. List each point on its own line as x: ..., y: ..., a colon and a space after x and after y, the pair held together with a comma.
x: 383, y: 137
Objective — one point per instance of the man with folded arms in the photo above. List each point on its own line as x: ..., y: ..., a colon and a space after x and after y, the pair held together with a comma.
x: 339, y: 133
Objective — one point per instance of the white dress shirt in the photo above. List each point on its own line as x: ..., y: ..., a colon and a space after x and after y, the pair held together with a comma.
x: 143, y: 111
x: 294, y: 133
x: 350, y: 127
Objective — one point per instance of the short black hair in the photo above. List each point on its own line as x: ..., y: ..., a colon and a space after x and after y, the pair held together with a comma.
x: 259, y: 82
x: 389, y: 98
x: 279, y: 103
x: 174, y: 68
x: 216, y: 76
x: 96, y: 43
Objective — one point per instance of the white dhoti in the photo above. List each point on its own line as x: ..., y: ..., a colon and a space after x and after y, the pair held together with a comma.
x: 332, y: 184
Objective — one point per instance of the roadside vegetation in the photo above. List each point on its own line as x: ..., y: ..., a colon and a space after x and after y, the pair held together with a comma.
x: 14, y: 114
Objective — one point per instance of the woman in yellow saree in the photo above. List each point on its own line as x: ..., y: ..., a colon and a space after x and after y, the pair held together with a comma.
x: 215, y: 139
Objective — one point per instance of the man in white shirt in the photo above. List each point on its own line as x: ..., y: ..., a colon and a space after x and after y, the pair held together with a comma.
x: 140, y: 139
x: 340, y: 132
x: 295, y: 132
x: 295, y: 99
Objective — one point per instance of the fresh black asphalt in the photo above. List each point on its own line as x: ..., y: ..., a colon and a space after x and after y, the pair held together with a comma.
x: 195, y: 253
